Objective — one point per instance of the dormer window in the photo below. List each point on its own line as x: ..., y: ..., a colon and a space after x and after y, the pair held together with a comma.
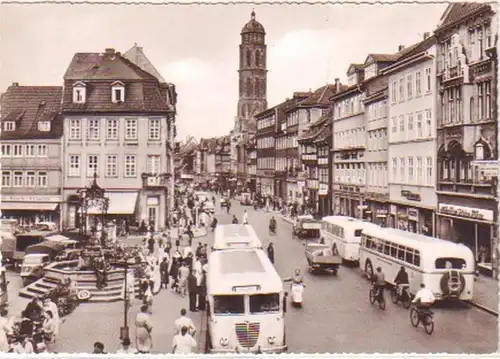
x: 79, y: 92
x: 9, y: 126
x: 44, y: 126
x: 117, y: 92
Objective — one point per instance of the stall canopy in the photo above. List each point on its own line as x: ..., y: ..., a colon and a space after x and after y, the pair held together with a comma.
x: 62, y: 240
x: 28, y: 206
x: 119, y: 203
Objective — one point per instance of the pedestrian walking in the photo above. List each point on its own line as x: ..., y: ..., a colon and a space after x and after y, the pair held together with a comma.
x: 164, y: 272
x: 143, y: 329
x: 192, y: 290
x: 183, y: 343
x: 99, y: 348
x: 183, y: 277
x: 184, y: 321
x: 270, y: 252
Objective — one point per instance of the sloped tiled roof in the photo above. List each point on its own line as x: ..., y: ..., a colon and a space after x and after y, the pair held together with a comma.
x: 320, y: 96
x: 27, y: 105
x: 325, y: 133
x: 136, y: 55
x: 143, y: 92
x: 458, y: 11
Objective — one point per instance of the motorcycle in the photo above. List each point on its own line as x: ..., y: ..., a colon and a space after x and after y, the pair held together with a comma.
x: 401, y: 295
x: 297, y: 295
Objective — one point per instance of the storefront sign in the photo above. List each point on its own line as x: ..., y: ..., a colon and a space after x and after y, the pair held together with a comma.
x: 323, y: 189
x: 32, y: 198
x: 411, y: 196
x: 413, y: 214
x: 466, y: 212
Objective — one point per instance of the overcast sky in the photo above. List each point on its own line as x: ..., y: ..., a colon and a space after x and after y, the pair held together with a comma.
x: 196, y: 47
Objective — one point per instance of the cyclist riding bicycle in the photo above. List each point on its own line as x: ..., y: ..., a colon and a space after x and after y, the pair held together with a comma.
x: 378, y: 281
x: 424, y: 299
x: 402, y: 281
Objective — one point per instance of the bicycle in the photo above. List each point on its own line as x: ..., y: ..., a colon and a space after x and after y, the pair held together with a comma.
x: 402, y: 296
x: 377, y: 296
x: 424, y: 316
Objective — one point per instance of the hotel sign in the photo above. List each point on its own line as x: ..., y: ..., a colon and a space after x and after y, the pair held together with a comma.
x: 31, y: 198
x: 466, y: 212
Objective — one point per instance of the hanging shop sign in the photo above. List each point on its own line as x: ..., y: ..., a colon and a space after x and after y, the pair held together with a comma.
x: 411, y: 196
x: 466, y: 212
x: 413, y: 214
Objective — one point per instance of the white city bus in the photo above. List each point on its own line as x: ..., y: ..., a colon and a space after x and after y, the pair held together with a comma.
x: 446, y: 268
x: 235, y: 236
x: 245, y: 303
x: 345, y: 233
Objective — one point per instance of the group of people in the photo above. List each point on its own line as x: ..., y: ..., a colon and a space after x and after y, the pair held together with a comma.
x: 35, y: 330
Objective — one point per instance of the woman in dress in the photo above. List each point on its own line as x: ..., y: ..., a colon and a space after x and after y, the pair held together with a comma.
x: 49, y: 331
x: 156, y: 276
x: 143, y: 328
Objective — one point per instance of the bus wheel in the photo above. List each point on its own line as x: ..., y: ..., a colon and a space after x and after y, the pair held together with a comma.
x: 369, y: 269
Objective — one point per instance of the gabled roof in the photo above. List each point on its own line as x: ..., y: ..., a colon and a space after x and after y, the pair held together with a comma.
x: 27, y: 105
x: 320, y: 96
x: 354, y: 67
x: 456, y: 12
x: 143, y: 91
x: 136, y: 55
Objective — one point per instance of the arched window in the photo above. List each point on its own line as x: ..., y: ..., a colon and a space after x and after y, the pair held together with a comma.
x: 257, y: 58
x: 256, y: 87
x: 249, y: 58
x: 262, y: 88
x: 248, y: 87
x: 472, y: 110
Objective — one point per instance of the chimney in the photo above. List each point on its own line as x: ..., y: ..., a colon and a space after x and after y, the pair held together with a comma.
x: 15, y: 84
x: 426, y: 35
x: 401, y: 47
x: 337, y: 85
x: 109, y: 51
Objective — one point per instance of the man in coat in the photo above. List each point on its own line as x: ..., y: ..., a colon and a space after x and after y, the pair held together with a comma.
x: 192, y: 290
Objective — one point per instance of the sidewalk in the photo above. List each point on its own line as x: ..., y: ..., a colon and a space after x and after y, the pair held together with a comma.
x: 485, y: 289
x: 486, y: 294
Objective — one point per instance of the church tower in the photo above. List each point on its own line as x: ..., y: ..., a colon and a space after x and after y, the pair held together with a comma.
x: 252, y: 72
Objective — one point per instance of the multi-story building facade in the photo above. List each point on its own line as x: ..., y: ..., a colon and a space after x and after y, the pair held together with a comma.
x: 115, y: 129
x: 298, y: 120
x: 412, y: 139
x: 265, y: 141
x: 349, y: 145
x: 286, y: 147
x: 223, y: 159
x: 377, y: 189
x: 315, y: 146
x: 251, y: 156
x: 467, y: 129
x: 31, y: 132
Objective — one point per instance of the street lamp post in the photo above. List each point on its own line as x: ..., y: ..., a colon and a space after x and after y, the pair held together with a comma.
x: 94, y: 196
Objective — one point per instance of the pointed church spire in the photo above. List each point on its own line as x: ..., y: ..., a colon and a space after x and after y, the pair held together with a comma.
x: 252, y: 15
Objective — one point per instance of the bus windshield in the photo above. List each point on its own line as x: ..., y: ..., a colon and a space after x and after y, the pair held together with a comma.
x: 357, y: 232
x: 264, y: 303
x: 229, y: 304
x: 450, y: 263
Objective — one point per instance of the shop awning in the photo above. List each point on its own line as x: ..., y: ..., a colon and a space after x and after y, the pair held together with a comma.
x: 119, y: 203
x: 28, y: 206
